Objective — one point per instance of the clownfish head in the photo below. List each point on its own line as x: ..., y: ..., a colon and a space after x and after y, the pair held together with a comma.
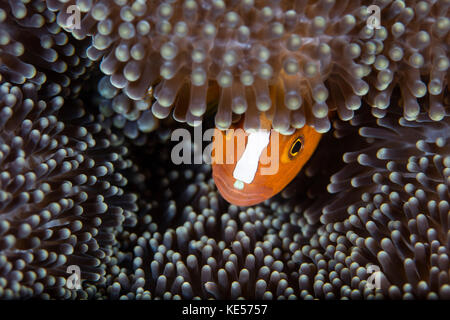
x: 250, y: 167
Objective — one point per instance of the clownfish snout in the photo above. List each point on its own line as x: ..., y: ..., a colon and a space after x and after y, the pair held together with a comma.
x: 232, y: 190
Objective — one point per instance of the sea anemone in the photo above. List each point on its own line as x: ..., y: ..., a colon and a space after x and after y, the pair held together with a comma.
x: 295, y: 59
x: 133, y: 117
x: 86, y: 177
x: 61, y: 194
x: 414, y: 55
x: 54, y: 64
x: 391, y: 205
x: 61, y: 187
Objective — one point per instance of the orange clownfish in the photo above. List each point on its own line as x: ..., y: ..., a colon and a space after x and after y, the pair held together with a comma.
x: 250, y: 167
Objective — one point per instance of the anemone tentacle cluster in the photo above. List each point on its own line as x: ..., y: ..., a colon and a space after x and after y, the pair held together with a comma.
x: 415, y: 55
x: 61, y: 194
x: 35, y: 49
x: 392, y: 204
x: 295, y: 59
x: 133, y: 117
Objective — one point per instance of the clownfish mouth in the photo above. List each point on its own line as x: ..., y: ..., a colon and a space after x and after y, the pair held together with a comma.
x: 236, y: 196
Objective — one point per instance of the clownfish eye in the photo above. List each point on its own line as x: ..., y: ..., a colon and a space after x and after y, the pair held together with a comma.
x: 296, y: 147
